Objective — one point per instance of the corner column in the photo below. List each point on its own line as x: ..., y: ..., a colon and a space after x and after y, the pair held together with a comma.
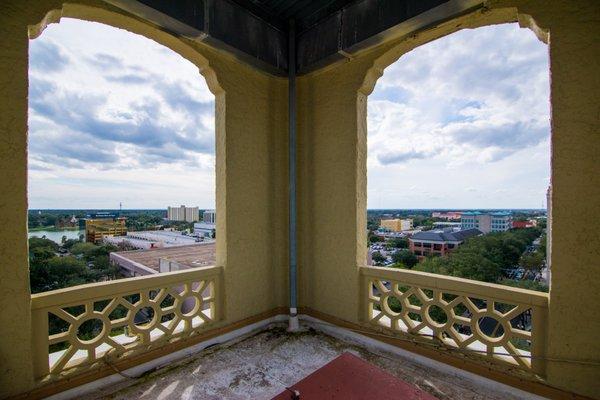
x: 16, y: 374
x: 332, y: 188
x: 574, y: 312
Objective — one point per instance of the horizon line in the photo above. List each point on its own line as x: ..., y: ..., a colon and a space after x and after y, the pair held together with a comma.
x: 368, y: 209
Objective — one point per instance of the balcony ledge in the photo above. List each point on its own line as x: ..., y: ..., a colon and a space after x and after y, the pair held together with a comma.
x: 261, y: 361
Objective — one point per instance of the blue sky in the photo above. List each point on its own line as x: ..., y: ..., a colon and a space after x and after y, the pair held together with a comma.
x: 460, y: 122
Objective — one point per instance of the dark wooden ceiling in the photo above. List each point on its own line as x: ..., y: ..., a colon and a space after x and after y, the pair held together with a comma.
x: 305, y: 12
x: 257, y: 31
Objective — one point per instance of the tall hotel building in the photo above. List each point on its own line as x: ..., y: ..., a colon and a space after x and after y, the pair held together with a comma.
x: 183, y: 213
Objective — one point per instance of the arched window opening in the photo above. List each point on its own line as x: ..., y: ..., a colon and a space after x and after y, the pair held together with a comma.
x: 121, y: 134
x: 459, y: 158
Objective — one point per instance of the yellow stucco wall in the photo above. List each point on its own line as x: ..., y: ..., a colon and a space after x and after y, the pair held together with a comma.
x: 251, y: 146
x: 332, y: 105
x: 15, y: 319
x: 332, y: 176
x: 574, y: 315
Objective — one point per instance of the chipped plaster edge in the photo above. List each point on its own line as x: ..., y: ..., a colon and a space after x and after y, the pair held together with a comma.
x: 308, y: 321
x: 160, y: 362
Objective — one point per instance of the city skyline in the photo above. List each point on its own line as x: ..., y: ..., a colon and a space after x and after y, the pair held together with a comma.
x: 368, y: 209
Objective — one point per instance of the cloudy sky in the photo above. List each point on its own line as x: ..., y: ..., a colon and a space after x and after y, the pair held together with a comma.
x: 462, y: 122
x: 115, y: 117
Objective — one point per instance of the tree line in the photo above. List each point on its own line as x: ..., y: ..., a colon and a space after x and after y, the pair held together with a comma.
x: 53, y: 266
x: 488, y: 258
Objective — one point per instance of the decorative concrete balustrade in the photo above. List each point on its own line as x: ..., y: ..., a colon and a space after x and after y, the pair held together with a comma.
x: 79, y: 328
x: 499, y: 323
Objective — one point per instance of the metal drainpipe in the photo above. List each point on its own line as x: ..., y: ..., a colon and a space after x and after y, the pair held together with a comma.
x: 293, y: 322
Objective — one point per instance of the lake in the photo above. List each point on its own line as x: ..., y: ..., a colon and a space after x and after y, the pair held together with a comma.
x: 56, y: 236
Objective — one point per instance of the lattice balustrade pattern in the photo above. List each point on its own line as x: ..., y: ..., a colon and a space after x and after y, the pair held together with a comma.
x: 79, y: 328
x: 503, y: 324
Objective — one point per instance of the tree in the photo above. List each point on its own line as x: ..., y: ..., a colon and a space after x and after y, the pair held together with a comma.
x: 35, y: 242
x: 69, y: 243
x: 475, y: 266
x: 56, y: 273
x: 424, y: 221
x: 50, y: 272
x: 512, y: 248
x: 542, y: 223
x: 372, y: 224
x: 398, y: 243
x: 405, y: 257
x: 374, y: 238
x: 378, y: 258
x: 41, y: 254
x: 543, y: 245
x: 84, y: 249
x: 483, y: 258
x: 532, y: 262
x: 103, y: 270
x: 434, y: 265
x: 527, y: 284
x: 41, y: 249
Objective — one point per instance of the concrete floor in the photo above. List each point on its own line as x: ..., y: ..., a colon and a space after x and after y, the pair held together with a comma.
x: 261, y: 365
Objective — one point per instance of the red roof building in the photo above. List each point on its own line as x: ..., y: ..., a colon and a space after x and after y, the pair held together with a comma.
x: 523, y: 224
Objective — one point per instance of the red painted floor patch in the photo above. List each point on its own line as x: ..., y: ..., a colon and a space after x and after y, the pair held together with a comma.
x: 350, y: 377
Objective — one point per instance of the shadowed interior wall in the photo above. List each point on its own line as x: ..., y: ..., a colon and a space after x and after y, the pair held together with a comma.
x: 574, y: 314
x: 251, y: 147
x: 252, y: 177
x: 332, y: 176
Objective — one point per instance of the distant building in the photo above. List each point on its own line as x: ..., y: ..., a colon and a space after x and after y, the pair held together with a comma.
x: 397, y: 225
x: 96, y: 215
x: 486, y: 222
x: 207, y: 231
x: 208, y: 227
x: 450, y: 215
x: 438, y: 243
x: 153, y: 239
x: 524, y: 224
x: 159, y: 260
x: 183, y: 213
x: 209, y: 217
x: 501, y: 222
x: 447, y: 224
x: 97, y: 229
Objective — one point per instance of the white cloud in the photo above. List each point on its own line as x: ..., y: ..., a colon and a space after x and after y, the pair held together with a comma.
x: 123, y: 119
x: 459, y: 122
x: 470, y: 110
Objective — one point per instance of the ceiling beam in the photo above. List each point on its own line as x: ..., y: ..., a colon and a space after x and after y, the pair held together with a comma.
x: 370, y: 22
x: 332, y: 33
x: 221, y: 23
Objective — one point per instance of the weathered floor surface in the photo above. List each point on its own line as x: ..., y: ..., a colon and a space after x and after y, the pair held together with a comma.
x: 260, y: 366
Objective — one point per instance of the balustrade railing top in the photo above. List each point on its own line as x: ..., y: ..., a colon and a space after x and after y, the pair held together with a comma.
x: 500, y: 323
x: 76, y: 329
